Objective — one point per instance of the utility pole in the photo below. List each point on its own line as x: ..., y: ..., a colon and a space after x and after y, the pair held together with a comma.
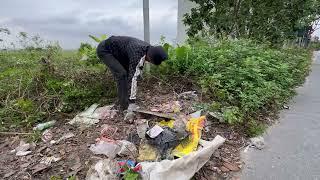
x: 146, y: 26
x: 146, y: 22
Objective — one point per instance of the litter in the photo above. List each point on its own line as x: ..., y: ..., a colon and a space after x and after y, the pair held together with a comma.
x: 134, y: 138
x: 142, y: 126
x: 64, y: 137
x: 147, y: 152
x: 257, y: 142
x: 23, y: 153
x: 127, y: 148
x: 130, y: 164
x: 105, y: 169
x: 170, y: 107
x: 45, y: 125
x: 22, y: 149
x: 48, y: 160
x: 38, y: 168
x: 109, y: 149
x: 196, y: 114
x: 130, y: 115
x: 166, y: 123
x: 108, y: 131
x: 161, y: 115
x: 183, y: 168
x: 179, y: 126
x: 217, y: 115
x: 194, y: 126
x: 93, y: 115
x: 154, y: 131
x: 165, y: 141
x: 112, y: 148
x: 46, y: 135
x: 189, y: 95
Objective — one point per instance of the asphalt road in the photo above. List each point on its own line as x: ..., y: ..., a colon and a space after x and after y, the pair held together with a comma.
x: 293, y: 145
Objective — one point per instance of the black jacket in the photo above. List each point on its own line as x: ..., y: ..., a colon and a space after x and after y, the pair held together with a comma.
x: 128, y: 51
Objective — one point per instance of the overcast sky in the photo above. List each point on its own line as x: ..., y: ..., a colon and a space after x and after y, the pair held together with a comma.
x: 70, y: 21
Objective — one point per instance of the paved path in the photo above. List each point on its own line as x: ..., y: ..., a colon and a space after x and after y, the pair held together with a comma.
x: 293, y: 146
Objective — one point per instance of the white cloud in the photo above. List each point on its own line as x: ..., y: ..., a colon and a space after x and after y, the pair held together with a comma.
x: 70, y: 21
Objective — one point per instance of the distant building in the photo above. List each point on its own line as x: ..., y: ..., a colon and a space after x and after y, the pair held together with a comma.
x: 184, y: 6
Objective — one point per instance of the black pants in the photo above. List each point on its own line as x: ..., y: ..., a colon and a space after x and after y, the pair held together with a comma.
x: 119, y: 73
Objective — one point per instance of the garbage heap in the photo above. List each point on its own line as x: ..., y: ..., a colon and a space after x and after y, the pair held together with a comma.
x: 166, y: 146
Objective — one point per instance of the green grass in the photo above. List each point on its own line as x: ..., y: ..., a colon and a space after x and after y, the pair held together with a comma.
x: 36, y: 84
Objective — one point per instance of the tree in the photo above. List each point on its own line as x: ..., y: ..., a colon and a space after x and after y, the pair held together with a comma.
x: 263, y: 20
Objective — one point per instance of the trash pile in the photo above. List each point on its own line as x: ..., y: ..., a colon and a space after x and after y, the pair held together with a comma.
x: 168, y: 146
x: 161, y: 139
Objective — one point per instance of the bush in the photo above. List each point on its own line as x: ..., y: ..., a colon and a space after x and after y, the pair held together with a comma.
x: 36, y: 84
x: 244, y: 78
x: 315, y: 46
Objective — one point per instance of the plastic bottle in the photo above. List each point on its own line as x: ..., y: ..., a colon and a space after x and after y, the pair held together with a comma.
x: 45, y: 125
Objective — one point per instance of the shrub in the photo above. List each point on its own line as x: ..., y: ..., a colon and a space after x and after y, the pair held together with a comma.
x: 244, y: 78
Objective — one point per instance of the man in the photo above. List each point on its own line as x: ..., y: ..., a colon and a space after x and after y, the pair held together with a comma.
x: 125, y: 56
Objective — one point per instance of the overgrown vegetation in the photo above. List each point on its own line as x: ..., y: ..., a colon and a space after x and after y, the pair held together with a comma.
x: 275, y: 21
x: 39, y: 83
x: 241, y: 78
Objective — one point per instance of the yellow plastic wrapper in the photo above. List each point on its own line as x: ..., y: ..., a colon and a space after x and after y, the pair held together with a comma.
x: 164, y: 123
x: 194, y: 126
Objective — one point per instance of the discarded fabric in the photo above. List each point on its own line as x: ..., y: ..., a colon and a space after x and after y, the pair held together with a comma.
x: 194, y: 126
x: 183, y: 168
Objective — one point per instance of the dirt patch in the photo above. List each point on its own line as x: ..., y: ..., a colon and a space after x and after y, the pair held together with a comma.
x: 74, y: 155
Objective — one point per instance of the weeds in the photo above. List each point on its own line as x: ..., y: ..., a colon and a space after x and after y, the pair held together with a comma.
x: 255, y: 128
x: 36, y: 84
x: 242, y: 78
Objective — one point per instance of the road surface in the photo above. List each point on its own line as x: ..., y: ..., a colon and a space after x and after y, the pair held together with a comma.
x: 292, y: 149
